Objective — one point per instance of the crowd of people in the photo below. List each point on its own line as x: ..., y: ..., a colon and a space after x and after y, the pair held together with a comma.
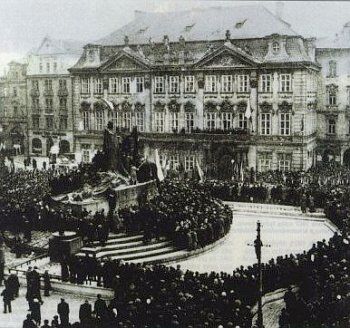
x: 188, y: 212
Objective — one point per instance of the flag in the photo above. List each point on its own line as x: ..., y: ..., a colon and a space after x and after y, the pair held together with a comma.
x: 108, y: 103
x: 241, y: 171
x: 159, y: 167
x: 302, y: 124
x: 200, y: 172
x: 248, y: 111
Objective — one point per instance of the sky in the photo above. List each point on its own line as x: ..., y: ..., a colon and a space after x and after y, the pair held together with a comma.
x: 24, y: 23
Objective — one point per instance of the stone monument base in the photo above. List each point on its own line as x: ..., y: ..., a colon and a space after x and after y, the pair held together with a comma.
x: 64, y: 245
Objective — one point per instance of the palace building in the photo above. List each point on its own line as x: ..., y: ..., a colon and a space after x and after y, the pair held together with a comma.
x: 227, y: 88
x: 334, y: 110
x: 49, y: 96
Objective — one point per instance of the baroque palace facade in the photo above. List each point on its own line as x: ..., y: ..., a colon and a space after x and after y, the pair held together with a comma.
x: 228, y: 88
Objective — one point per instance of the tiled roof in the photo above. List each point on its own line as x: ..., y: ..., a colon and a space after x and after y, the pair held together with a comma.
x: 51, y: 46
x: 244, y: 22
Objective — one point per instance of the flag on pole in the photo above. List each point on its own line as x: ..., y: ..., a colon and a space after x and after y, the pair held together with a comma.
x: 159, y: 167
x: 248, y: 111
x: 200, y: 172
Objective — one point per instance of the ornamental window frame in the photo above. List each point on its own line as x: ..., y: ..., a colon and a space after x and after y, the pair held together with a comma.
x: 140, y: 121
x: 98, y: 89
x: 210, y: 121
x: 265, y: 123
x: 266, y: 83
x: 189, y: 122
x: 159, y: 84
x: 85, y: 85
x: 140, y: 84
x: 99, y: 120
x: 174, y: 118
x: 227, y: 121
x: 242, y: 121
x: 63, y: 122
x: 126, y: 84
x: 285, y: 124
x: 48, y: 84
x: 86, y: 120
x: 285, y: 82
x: 211, y: 84
x: 331, y: 126
x: 243, y: 82
x: 113, y: 85
x: 189, y: 84
x: 174, y: 84
x: 159, y: 122
x: 227, y: 83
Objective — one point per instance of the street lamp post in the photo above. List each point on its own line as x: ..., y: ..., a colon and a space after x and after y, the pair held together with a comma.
x: 257, y: 245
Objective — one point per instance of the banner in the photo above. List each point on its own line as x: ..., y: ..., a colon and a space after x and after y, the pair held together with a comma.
x: 159, y: 167
x: 200, y: 172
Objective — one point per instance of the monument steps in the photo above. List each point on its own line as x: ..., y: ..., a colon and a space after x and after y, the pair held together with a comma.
x: 144, y: 254
x: 128, y: 250
x: 119, y: 239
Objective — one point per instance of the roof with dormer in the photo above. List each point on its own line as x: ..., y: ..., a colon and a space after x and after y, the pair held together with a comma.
x: 244, y: 22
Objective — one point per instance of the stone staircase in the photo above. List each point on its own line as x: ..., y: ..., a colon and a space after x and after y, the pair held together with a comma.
x: 131, y: 248
x: 292, y: 211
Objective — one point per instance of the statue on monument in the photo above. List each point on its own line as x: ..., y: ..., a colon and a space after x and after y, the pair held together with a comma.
x: 111, y: 148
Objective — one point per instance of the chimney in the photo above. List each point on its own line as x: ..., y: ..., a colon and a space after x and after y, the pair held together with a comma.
x: 279, y: 9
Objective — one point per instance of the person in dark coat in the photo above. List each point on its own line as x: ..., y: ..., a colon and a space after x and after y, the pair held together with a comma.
x: 46, y: 324
x: 13, y: 285
x: 85, y: 312
x: 28, y: 322
x: 47, y: 283
x: 7, y: 298
x: 36, y: 311
x: 100, y: 307
x: 63, y: 312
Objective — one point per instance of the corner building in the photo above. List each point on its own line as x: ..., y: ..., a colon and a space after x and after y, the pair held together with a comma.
x: 228, y: 88
x: 333, y: 54
x: 49, y: 96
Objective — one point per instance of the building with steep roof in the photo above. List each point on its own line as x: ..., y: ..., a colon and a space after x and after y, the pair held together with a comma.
x: 227, y: 88
x: 333, y: 54
x: 49, y: 95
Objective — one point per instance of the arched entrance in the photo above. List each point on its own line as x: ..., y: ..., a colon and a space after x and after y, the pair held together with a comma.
x: 37, y: 146
x: 64, y: 147
x: 346, y: 158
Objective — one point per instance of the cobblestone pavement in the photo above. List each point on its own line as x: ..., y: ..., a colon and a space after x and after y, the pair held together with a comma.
x: 284, y: 235
x: 48, y: 309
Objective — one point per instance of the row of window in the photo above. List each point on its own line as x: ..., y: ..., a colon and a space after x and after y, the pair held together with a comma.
x: 284, y: 162
x: 137, y: 84
x: 49, y: 122
x: 284, y: 124
x: 332, y: 96
x: 62, y: 84
x: 49, y: 104
x: 49, y: 68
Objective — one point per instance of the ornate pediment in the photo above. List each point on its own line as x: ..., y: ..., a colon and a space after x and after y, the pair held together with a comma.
x: 227, y: 56
x: 226, y: 60
x: 124, y: 62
